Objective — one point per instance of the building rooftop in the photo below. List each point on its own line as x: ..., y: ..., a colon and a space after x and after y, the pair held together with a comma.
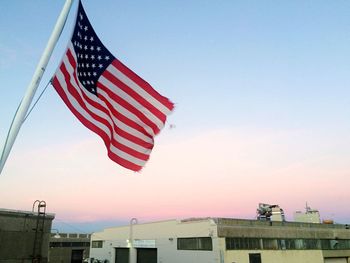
x: 249, y: 222
x: 23, y: 213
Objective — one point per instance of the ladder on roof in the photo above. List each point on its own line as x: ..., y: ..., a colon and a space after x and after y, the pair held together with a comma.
x: 39, y: 230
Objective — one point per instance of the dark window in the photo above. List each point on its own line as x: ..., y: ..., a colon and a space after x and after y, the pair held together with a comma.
x: 80, y: 244
x: 299, y: 244
x: 343, y: 244
x: 253, y: 243
x: 290, y: 244
x: 255, y: 258
x: 335, y: 244
x: 195, y: 243
x: 312, y: 244
x: 55, y: 244
x: 286, y: 244
x: 66, y: 244
x: 97, y: 244
x: 69, y: 244
x: 242, y: 243
x: 270, y: 243
x: 282, y: 244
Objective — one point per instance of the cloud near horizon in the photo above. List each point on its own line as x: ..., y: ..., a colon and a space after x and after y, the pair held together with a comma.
x: 216, y: 173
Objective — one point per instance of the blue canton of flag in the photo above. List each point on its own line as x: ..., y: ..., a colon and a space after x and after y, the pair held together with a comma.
x: 92, y: 56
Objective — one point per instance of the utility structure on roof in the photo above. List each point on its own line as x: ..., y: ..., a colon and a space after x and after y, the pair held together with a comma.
x: 309, y: 216
x: 267, y: 212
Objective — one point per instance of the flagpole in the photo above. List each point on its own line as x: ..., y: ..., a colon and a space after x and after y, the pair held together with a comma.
x: 33, y: 85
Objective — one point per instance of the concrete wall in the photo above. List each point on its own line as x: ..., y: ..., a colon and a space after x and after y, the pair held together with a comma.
x: 17, y: 234
x: 284, y: 230
x: 336, y: 254
x: 253, y: 228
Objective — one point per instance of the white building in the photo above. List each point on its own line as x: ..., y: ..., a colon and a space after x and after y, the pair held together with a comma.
x: 222, y: 240
x: 309, y: 216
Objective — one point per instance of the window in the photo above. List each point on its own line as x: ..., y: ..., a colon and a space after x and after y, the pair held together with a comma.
x: 238, y: 243
x: 242, y: 243
x: 253, y: 243
x: 299, y: 244
x: 289, y: 243
x: 69, y: 244
x: 270, y: 243
x: 312, y: 244
x: 255, y: 258
x: 325, y: 244
x: 194, y: 243
x: 80, y: 244
x: 97, y: 244
x: 282, y: 244
x: 66, y: 244
x: 343, y: 244
x: 55, y: 244
x: 335, y: 244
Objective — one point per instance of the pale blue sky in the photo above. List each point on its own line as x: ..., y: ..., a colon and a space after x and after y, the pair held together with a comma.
x: 255, y: 69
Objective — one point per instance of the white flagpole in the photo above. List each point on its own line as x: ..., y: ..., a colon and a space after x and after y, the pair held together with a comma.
x: 33, y: 85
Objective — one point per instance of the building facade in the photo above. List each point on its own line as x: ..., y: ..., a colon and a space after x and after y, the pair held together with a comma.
x: 69, y: 247
x: 222, y: 240
x: 24, y: 236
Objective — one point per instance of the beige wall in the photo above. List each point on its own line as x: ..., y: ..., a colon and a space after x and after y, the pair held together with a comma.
x: 165, y: 234
x: 273, y: 256
x: 337, y: 254
x: 162, y: 229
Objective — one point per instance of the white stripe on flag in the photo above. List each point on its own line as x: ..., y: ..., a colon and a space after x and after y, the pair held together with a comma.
x: 116, y: 106
x: 115, y: 89
x: 89, y: 118
x: 144, y: 94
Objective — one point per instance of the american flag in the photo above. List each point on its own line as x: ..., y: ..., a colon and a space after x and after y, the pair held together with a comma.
x: 109, y: 98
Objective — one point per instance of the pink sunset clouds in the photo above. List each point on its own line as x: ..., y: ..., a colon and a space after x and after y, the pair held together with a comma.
x: 223, y: 173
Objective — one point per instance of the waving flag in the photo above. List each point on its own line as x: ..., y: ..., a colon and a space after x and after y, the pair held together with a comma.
x: 109, y: 98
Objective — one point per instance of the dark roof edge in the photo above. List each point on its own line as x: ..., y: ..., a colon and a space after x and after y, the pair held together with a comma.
x: 23, y: 213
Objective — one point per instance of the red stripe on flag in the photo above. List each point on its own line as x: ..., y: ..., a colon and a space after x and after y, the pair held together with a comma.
x: 134, y: 95
x: 129, y: 107
x: 92, y: 127
x: 116, y: 114
x: 129, y: 123
x: 142, y: 83
x: 79, y: 98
